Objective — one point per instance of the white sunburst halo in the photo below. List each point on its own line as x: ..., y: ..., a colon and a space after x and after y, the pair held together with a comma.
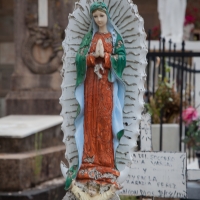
x: 130, y: 25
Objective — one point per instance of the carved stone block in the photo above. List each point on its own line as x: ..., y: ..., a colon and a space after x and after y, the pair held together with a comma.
x: 24, y: 170
x: 49, y: 137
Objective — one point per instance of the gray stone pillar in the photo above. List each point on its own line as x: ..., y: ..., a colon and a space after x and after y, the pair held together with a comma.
x: 35, y: 86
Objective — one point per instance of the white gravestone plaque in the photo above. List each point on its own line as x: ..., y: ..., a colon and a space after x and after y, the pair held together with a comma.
x: 43, y: 13
x: 157, y: 174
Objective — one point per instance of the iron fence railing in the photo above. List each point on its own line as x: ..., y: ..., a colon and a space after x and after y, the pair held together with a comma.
x: 182, y: 74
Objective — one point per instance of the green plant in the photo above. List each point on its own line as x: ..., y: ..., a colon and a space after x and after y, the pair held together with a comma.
x: 165, y: 100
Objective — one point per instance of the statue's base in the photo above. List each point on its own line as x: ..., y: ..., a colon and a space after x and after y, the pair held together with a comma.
x: 51, y: 190
x: 70, y: 196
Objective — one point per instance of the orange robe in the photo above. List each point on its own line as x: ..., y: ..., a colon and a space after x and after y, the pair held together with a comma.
x: 98, y: 161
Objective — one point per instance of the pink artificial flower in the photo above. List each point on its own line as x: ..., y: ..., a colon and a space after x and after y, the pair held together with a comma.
x: 190, y: 114
x: 189, y: 19
x: 155, y: 28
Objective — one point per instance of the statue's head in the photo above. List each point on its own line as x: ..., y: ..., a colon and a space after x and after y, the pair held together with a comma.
x: 99, y: 13
x: 98, y: 6
x: 100, y: 9
x: 93, y: 188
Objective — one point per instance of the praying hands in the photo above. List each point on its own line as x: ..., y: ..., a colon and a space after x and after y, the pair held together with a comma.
x: 99, y: 49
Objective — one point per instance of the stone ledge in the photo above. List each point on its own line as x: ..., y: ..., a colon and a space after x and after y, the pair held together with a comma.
x: 44, y: 139
x: 20, y: 126
x: 22, y: 133
x: 24, y: 170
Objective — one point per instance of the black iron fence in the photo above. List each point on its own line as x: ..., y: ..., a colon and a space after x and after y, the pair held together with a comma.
x: 177, y: 68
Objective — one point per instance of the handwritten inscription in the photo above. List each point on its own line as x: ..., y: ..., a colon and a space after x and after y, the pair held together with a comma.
x: 157, y: 174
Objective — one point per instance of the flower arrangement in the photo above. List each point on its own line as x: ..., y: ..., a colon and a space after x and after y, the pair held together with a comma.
x: 156, y: 32
x: 192, y: 17
x: 192, y: 121
x: 165, y: 99
x: 192, y: 23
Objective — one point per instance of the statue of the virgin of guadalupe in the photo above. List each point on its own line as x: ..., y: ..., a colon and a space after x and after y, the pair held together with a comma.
x: 102, y: 109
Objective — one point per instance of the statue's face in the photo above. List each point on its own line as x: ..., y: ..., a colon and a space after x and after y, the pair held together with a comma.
x: 100, y: 18
x: 92, y: 191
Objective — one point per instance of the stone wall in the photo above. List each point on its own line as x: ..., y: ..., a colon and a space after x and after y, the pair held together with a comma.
x: 35, y: 83
x: 148, y: 10
x: 7, y: 55
x: 6, y: 20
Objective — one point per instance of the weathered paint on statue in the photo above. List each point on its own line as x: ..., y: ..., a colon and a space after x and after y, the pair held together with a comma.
x: 93, y: 192
x: 100, y: 62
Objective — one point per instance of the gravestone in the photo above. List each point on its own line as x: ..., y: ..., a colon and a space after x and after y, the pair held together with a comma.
x: 35, y: 84
x: 30, y: 151
x: 159, y: 174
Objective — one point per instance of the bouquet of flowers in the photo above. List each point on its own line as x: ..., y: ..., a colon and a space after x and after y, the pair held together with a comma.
x: 192, y: 16
x: 165, y: 99
x: 192, y: 121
